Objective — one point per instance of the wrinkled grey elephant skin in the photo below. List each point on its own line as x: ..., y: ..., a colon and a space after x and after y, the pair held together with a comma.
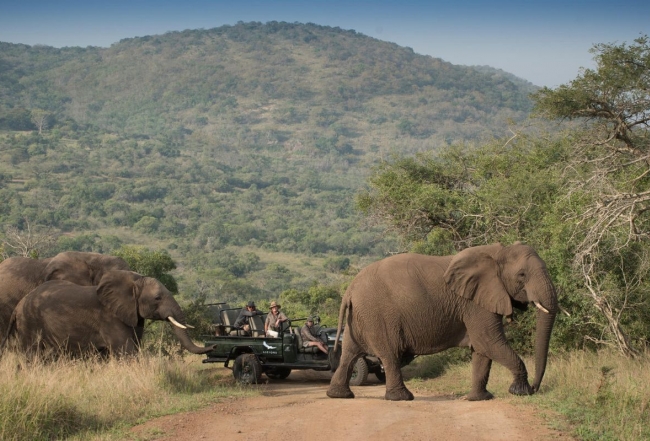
x: 412, y: 304
x: 61, y: 316
x: 20, y: 275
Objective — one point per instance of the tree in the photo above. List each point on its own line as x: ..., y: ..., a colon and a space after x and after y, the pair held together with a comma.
x: 610, y: 173
x: 156, y: 264
x: 28, y: 241
x: 41, y: 119
x: 465, y: 195
x: 323, y: 300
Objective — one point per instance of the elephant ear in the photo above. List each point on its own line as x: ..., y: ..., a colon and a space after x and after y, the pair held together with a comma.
x: 118, y: 292
x: 474, y: 275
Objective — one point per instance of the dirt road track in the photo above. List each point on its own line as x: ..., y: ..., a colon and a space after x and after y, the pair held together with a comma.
x: 298, y: 409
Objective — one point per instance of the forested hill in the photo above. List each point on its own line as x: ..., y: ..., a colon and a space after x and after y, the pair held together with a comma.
x: 259, y: 75
x: 230, y: 145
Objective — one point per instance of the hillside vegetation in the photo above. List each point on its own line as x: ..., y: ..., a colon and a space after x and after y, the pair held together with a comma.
x: 238, y: 149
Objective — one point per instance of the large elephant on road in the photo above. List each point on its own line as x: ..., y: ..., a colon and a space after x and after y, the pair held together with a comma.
x: 412, y: 304
x: 20, y: 275
x: 105, y: 319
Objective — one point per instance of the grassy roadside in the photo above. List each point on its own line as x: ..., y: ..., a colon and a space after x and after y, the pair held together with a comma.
x: 93, y: 400
x: 592, y: 396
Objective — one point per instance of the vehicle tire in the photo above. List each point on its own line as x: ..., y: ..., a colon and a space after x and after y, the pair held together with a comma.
x: 247, y: 369
x: 278, y: 373
x: 381, y: 376
x: 359, y: 373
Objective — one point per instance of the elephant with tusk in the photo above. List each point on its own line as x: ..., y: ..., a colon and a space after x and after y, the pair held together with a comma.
x: 412, y: 304
x: 106, y: 319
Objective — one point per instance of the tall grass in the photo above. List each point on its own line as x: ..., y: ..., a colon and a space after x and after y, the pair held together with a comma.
x: 593, y: 396
x: 88, y: 399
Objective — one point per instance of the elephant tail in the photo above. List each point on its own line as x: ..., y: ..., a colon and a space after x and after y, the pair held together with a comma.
x: 10, y: 329
x: 345, y: 305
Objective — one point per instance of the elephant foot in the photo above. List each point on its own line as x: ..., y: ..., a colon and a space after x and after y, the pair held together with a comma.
x: 479, y: 396
x: 521, y: 387
x: 400, y: 394
x: 339, y: 392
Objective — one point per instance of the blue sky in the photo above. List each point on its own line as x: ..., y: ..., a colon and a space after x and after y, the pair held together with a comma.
x: 544, y: 42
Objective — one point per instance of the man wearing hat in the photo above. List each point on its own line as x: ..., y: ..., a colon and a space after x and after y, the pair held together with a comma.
x: 243, y: 320
x: 274, y: 320
x: 309, y: 339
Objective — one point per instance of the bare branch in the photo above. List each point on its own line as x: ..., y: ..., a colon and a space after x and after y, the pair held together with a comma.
x: 30, y: 242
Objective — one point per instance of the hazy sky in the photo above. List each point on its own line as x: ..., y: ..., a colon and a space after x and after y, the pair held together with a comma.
x: 544, y: 42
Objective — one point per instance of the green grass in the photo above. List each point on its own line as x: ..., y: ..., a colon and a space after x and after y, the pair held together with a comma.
x: 82, y: 400
x: 592, y: 396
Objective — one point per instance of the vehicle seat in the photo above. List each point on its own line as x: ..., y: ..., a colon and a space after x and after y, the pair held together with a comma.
x: 228, y: 317
x: 257, y: 325
x: 307, y: 350
x: 217, y: 324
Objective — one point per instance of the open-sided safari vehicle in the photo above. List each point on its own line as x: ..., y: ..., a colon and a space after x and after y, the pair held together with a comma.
x: 276, y: 357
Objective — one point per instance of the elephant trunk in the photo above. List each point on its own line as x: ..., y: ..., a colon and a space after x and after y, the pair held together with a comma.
x: 177, y: 320
x: 546, y: 312
x: 187, y: 343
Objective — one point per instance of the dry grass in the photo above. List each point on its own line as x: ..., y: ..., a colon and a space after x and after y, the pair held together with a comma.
x: 593, y: 396
x: 94, y: 399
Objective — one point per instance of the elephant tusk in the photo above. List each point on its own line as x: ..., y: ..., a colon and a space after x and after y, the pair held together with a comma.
x: 175, y: 323
x: 539, y: 306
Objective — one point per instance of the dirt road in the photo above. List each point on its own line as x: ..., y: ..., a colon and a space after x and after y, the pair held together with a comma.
x: 298, y: 409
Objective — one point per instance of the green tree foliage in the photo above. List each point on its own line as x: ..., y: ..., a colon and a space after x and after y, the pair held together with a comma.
x: 464, y: 195
x: 156, y: 264
x: 321, y: 300
x: 17, y: 119
x: 88, y: 242
x: 337, y: 264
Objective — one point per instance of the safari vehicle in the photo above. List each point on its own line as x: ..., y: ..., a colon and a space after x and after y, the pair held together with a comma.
x: 276, y: 357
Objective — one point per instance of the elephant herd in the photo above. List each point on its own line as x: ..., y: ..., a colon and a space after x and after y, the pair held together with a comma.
x: 82, y: 303
x: 394, y: 309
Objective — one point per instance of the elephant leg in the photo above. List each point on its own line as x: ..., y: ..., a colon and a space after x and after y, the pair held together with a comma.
x: 340, y: 383
x: 504, y: 355
x: 395, y: 388
x: 480, y: 373
x: 520, y: 384
x: 493, y: 345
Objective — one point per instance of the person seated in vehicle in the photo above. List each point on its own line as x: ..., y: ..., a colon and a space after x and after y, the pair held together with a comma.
x: 309, y: 339
x: 243, y: 320
x: 274, y: 319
